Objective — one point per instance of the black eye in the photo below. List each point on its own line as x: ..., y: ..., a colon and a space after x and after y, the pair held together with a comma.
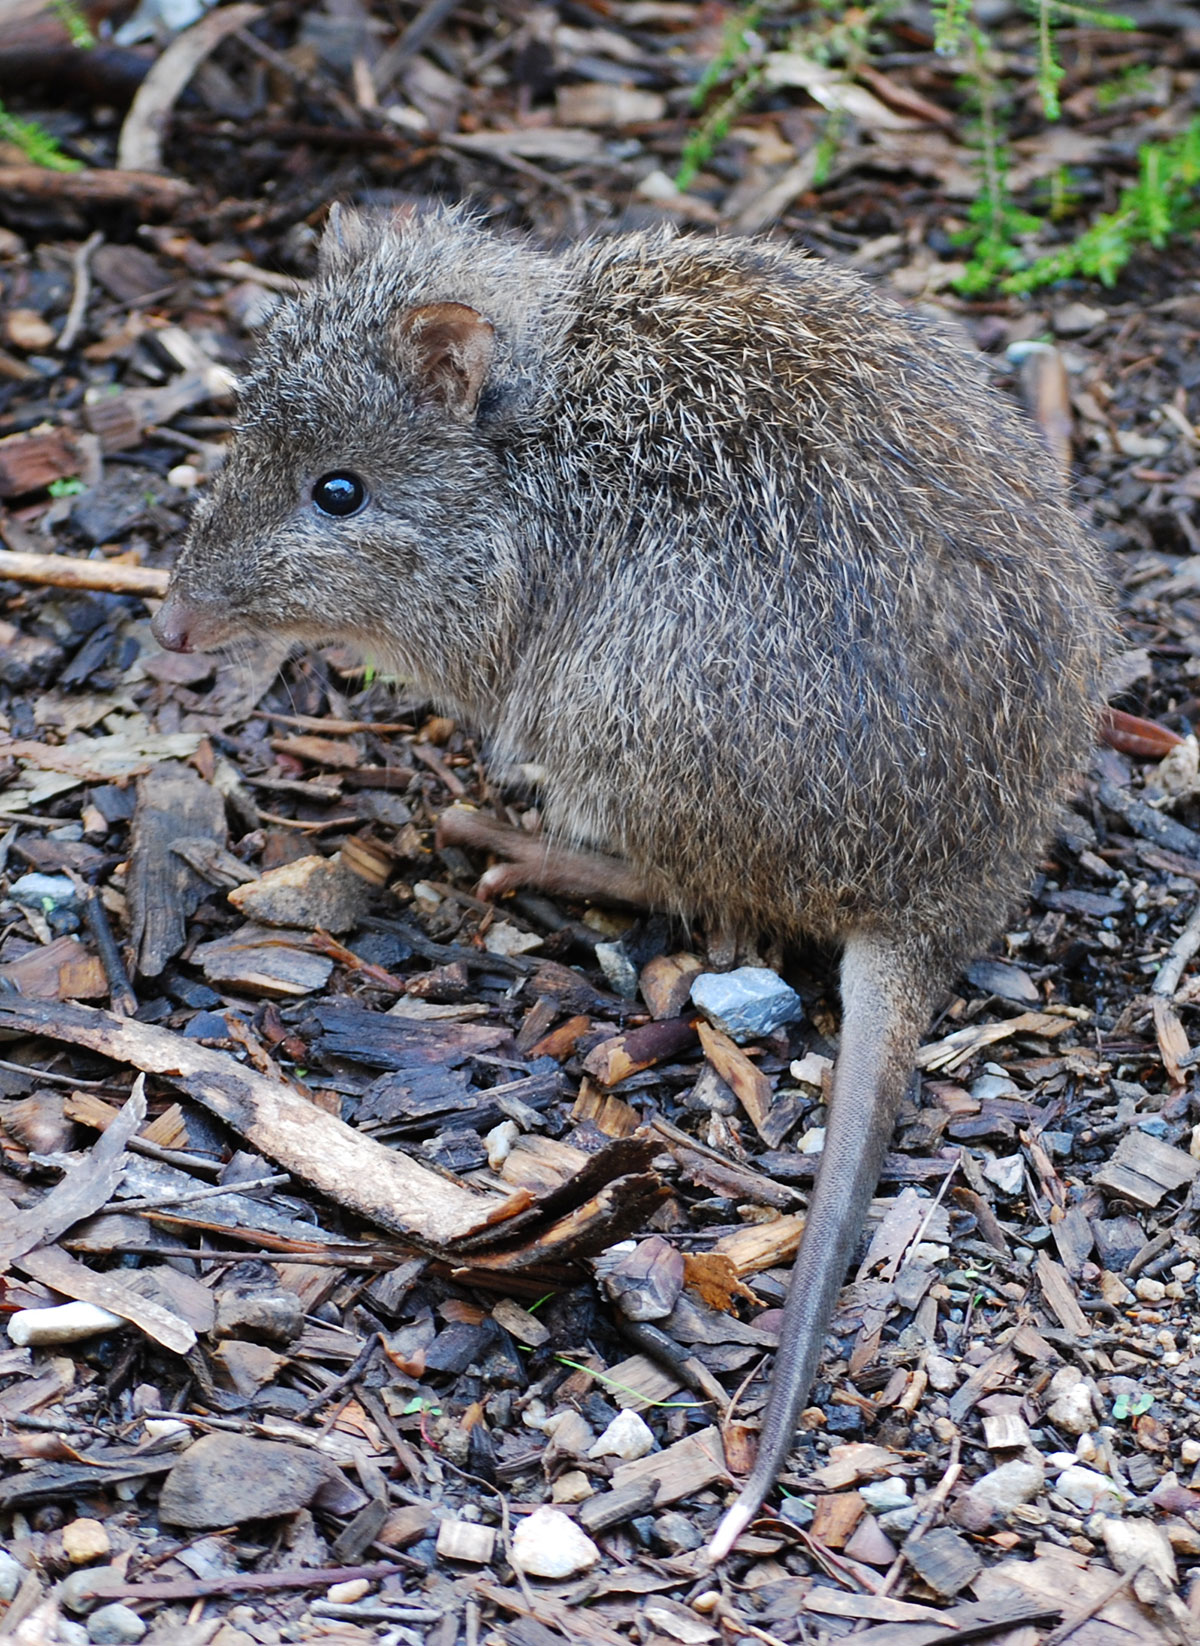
x: 339, y: 493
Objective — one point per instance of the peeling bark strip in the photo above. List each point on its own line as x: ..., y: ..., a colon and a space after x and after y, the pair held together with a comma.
x: 83, y: 1189
x: 611, y: 1194
x: 353, y: 1170
x: 31, y: 461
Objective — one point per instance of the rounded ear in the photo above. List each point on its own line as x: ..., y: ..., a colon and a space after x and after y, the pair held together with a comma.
x: 345, y: 239
x: 448, y: 347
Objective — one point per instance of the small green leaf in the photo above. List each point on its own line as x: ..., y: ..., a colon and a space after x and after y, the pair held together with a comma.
x: 419, y: 1406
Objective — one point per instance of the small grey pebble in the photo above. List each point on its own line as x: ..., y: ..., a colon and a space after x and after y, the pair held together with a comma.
x: 898, y: 1522
x: 798, y: 1510
x: 677, y: 1534
x: 112, y: 1625
x: 74, y: 1592
x: 617, y: 967
x: 12, y: 1574
x: 642, y: 1528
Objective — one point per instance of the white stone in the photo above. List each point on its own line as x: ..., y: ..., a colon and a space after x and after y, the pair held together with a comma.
x: 656, y: 185
x: 1071, y: 1402
x: 499, y: 1143
x: 1088, y: 1490
x: 884, y: 1495
x: 994, y: 1085
x: 1007, y: 1172
x: 502, y: 937
x: 115, y: 1625
x: 162, y: 1428
x: 812, y: 1070
x: 628, y: 1436
x: 549, y: 1544
x: 64, y: 1323
x: 1131, y: 1543
x: 617, y: 967
x: 1189, y: 1451
x: 942, y: 1374
x: 1002, y: 1489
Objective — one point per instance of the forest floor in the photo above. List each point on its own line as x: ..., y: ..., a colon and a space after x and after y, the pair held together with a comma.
x: 357, y: 1228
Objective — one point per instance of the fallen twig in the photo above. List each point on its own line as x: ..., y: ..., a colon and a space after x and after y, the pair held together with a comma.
x: 80, y: 261
x: 1181, y: 951
x: 927, y: 1515
x: 259, y: 1582
x: 64, y: 571
x: 144, y: 190
x: 140, y: 145
x: 1084, y: 1615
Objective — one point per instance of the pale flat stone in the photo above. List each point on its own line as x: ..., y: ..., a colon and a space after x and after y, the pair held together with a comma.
x: 549, y: 1544
x: 995, y: 1495
x: 627, y: 1436
x: 1088, y: 1490
x: 1132, y: 1543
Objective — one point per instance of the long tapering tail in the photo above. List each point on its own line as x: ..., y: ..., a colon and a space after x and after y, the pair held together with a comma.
x: 886, y: 1002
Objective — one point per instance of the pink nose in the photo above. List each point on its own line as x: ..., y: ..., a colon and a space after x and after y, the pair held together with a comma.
x: 174, y: 623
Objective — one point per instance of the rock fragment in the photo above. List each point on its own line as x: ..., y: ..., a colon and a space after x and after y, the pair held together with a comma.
x: 85, y: 1540
x: 746, y: 1003
x: 1071, y: 1402
x: 995, y: 1495
x: 627, y: 1436
x: 226, y: 1478
x: 549, y: 1544
x: 308, y: 892
x: 115, y: 1625
x: 1089, y: 1491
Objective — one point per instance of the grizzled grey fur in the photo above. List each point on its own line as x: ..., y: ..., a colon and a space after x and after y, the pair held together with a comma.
x: 785, y: 602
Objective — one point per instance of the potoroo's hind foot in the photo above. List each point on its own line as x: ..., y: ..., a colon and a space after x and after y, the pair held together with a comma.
x: 532, y: 861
